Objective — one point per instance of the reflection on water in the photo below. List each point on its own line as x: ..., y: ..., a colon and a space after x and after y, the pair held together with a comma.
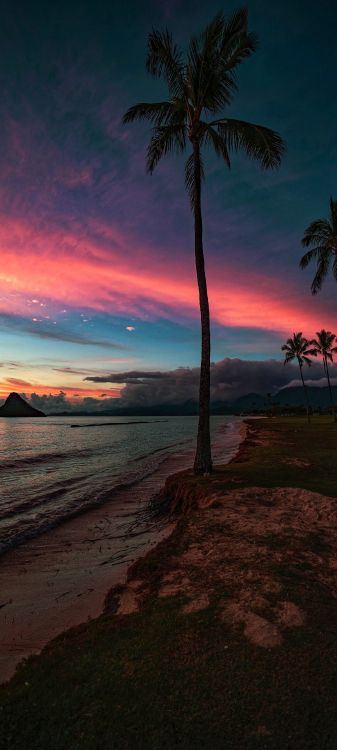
x: 50, y: 471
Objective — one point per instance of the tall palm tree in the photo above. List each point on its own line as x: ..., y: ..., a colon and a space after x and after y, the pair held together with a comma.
x: 321, y: 237
x: 200, y: 87
x: 298, y: 347
x: 324, y: 345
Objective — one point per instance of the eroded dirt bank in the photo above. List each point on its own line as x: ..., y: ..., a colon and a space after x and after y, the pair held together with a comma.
x: 247, y: 551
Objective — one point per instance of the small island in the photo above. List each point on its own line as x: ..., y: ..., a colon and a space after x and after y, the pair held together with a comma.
x: 16, y: 406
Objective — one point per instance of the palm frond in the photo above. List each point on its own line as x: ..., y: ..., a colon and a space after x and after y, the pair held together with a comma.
x: 325, y: 338
x: 237, y: 42
x: 322, y: 234
x: 259, y: 143
x: 158, y: 113
x: 300, y: 348
x: 334, y: 267
x: 310, y: 352
x: 310, y: 255
x: 204, y: 48
x: 164, y: 59
x: 211, y: 87
x: 213, y: 58
x: 289, y: 358
x: 212, y: 37
x: 333, y: 214
x: 317, y: 233
x: 164, y: 140
x: 217, y: 92
x: 322, y: 271
x: 324, y: 344
x: 212, y: 138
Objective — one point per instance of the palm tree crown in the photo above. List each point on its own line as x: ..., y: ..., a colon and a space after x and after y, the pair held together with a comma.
x: 324, y: 345
x: 321, y: 237
x: 200, y: 87
x: 300, y: 348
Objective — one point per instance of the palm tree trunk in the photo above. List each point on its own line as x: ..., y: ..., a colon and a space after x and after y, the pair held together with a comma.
x: 203, y: 457
x: 326, y: 367
x: 306, y: 394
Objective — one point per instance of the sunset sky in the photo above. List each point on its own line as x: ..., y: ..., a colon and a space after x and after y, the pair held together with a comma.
x: 97, y: 269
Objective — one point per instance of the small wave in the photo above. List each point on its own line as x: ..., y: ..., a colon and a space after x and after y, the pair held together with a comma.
x: 165, y: 448
x: 39, y: 500
x: 42, y: 458
x: 103, y: 496
x: 101, y: 488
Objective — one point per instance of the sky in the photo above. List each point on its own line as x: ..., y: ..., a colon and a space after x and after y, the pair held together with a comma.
x: 97, y: 270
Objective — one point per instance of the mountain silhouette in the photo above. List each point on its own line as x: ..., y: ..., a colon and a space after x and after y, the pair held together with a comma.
x: 15, y: 406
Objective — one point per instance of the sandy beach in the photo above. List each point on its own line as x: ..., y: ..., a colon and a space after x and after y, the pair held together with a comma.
x: 61, y: 578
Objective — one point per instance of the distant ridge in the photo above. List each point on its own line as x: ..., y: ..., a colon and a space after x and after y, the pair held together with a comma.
x: 286, y: 398
x: 15, y: 406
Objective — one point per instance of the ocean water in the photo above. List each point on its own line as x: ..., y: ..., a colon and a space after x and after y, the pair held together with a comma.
x: 56, y: 467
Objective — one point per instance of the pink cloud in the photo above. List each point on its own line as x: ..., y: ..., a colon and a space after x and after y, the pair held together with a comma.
x: 106, y: 270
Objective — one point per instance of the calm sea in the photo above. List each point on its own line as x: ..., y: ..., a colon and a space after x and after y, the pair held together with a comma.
x: 56, y: 467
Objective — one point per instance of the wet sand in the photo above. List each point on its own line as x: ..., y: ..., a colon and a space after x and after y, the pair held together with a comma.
x: 62, y: 577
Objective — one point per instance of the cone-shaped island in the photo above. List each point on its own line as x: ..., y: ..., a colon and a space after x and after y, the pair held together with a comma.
x: 16, y: 406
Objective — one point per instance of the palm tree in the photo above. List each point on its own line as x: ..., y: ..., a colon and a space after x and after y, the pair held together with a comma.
x: 200, y: 86
x: 298, y: 347
x: 324, y: 346
x: 321, y: 237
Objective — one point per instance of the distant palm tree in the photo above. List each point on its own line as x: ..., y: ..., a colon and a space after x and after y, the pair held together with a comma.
x: 324, y: 346
x: 199, y: 87
x: 298, y: 347
x: 321, y: 237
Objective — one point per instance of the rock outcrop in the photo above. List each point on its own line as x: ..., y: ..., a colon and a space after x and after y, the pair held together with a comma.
x: 16, y: 406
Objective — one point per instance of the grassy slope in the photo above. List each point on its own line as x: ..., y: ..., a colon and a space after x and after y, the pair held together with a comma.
x: 156, y: 679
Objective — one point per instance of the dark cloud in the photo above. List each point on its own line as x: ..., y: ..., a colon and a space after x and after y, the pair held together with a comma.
x: 133, y: 376
x: 71, y: 370
x: 49, y: 403
x: 230, y: 379
x: 44, y: 330
x: 58, y: 403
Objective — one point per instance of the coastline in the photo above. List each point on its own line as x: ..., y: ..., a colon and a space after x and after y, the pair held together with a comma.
x: 61, y: 578
x: 223, y: 633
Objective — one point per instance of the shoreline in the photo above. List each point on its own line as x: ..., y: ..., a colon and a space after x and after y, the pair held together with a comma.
x: 61, y: 578
x: 223, y: 633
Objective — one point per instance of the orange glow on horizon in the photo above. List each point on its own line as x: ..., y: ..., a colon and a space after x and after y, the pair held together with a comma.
x: 73, y: 394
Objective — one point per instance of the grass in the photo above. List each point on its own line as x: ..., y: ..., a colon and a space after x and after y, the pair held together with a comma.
x: 289, y: 438
x: 157, y: 680
x: 163, y: 681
